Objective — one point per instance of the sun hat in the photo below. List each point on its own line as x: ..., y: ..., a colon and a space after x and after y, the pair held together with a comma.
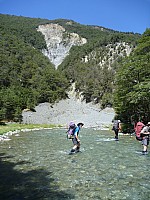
x: 80, y: 124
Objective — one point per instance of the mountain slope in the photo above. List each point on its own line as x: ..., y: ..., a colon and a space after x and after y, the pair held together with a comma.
x: 87, y: 56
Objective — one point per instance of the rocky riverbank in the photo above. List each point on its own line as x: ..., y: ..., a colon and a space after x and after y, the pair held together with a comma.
x: 61, y: 113
x: 71, y: 109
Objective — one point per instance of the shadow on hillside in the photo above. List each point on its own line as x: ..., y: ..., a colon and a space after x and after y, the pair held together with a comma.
x: 34, y: 184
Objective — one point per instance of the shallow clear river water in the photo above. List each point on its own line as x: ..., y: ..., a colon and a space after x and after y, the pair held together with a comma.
x: 36, y: 165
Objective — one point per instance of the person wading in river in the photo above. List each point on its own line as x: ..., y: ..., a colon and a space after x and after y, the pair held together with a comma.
x: 75, y: 140
x: 145, y: 132
x: 116, y: 127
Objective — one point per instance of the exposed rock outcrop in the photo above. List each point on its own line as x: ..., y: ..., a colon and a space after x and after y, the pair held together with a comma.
x: 59, y: 42
x: 113, y: 51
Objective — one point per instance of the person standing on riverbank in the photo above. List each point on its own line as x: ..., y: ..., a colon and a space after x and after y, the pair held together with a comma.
x: 145, y: 132
x: 116, y: 127
x: 75, y: 140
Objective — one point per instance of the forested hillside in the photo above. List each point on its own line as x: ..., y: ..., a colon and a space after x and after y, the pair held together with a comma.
x: 93, y: 65
x: 132, y: 84
x: 27, y: 77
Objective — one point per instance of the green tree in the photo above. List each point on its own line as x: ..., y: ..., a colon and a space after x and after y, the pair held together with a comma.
x: 132, y: 93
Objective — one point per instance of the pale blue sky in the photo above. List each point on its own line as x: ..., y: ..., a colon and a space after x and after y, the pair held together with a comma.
x: 121, y: 15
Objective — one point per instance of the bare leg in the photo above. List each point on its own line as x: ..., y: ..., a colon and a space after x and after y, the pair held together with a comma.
x: 144, y: 147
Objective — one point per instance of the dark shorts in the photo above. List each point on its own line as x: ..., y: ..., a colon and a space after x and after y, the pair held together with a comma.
x: 74, y: 140
x: 145, y: 141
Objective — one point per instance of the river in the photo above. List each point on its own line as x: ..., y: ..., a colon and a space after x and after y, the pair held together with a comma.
x: 36, y: 165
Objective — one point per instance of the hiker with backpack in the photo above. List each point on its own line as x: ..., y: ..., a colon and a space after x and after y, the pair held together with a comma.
x: 138, y: 127
x: 145, y: 132
x: 75, y: 138
x: 116, y: 127
x: 70, y: 131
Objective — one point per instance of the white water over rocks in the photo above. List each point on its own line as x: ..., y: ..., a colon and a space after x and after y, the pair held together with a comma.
x: 72, y: 109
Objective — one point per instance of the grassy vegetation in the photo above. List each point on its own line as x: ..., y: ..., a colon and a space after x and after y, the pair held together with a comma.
x: 14, y: 126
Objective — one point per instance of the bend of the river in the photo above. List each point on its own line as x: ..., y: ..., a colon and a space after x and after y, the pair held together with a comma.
x: 36, y: 165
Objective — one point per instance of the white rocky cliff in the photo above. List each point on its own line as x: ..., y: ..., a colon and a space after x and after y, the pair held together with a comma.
x: 58, y: 42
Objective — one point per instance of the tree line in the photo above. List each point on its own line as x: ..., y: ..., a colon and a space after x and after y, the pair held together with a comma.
x: 132, y: 84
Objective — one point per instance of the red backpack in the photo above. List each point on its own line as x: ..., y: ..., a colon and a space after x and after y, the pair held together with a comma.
x: 139, y: 126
